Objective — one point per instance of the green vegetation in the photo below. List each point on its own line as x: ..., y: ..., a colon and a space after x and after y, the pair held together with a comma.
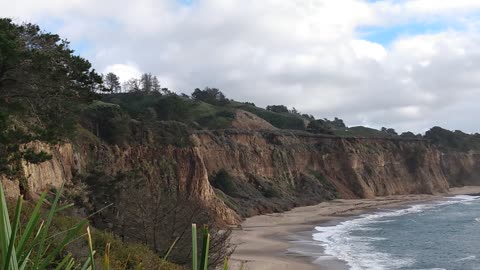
x: 31, y: 245
x: 42, y: 87
x: 107, y: 121
x: 156, y: 107
x: 279, y: 120
x: 210, y: 95
x: 124, y: 255
x: 223, y: 181
x: 360, y: 131
x: 453, y: 140
x: 204, y: 251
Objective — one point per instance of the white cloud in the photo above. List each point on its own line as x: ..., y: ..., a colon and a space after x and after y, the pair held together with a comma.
x: 369, y: 50
x: 302, y: 53
x: 124, y: 71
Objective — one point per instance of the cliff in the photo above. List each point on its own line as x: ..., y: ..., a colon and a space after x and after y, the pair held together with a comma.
x: 241, y: 173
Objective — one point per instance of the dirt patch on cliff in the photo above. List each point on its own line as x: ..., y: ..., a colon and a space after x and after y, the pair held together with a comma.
x: 246, y: 120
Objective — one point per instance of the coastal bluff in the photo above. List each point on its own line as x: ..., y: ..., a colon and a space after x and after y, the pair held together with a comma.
x: 240, y: 173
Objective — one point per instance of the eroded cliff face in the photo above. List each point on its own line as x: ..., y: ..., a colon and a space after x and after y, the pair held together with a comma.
x: 40, y: 177
x: 267, y: 171
x: 356, y: 167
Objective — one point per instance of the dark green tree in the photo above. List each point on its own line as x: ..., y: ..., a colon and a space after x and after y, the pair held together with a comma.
x: 111, y: 82
x: 42, y: 86
x: 278, y: 108
x: 210, y: 95
x: 389, y: 131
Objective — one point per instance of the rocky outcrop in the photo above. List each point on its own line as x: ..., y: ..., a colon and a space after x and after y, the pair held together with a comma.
x: 267, y: 171
x: 40, y: 177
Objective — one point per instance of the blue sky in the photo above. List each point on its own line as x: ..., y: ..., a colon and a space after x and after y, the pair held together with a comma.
x: 385, y: 35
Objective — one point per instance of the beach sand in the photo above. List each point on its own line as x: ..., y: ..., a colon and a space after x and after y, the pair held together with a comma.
x: 268, y: 241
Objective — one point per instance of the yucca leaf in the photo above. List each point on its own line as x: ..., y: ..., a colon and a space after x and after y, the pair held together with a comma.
x: 67, y: 239
x: 86, y: 265
x: 39, y: 261
x: 106, y: 260
x: 65, y: 261
x: 5, y: 231
x: 11, y: 254
x: 31, y: 224
x: 90, y: 248
x: 194, y: 247
x: 225, y: 264
x: 206, y: 246
x: 60, y: 209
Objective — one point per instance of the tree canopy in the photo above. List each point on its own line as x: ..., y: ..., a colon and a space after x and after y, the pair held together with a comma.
x: 42, y: 85
x: 210, y: 95
x: 278, y: 108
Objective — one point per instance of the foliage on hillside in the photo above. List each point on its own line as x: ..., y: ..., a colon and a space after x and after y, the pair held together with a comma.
x: 42, y: 87
x: 453, y: 140
x: 282, y: 120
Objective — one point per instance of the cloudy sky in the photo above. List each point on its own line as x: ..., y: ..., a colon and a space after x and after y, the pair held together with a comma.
x: 403, y: 64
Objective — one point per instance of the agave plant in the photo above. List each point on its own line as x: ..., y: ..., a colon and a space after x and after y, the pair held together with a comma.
x: 30, y: 248
x: 205, y: 247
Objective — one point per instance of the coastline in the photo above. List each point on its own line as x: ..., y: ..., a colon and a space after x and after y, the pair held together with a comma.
x: 268, y: 241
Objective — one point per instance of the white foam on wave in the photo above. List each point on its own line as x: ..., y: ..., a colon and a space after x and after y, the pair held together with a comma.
x: 468, y: 258
x: 357, y: 251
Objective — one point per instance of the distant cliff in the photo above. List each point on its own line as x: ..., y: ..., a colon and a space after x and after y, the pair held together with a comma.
x: 241, y: 173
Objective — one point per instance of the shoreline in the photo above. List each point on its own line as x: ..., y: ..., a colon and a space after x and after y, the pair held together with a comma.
x: 274, y: 241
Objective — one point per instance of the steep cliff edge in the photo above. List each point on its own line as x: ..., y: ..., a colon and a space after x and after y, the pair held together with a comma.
x: 253, y: 172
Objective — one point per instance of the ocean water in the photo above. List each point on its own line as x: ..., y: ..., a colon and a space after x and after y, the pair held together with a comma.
x: 440, y: 235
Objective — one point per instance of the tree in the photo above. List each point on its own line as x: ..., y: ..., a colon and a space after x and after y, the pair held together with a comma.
x: 111, y: 82
x: 153, y: 212
x: 308, y: 116
x: 409, y: 135
x: 156, y: 85
x: 44, y: 83
x: 389, y: 131
x: 338, y: 123
x: 146, y: 82
x: 320, y: 126
x: 209, y: 95
x: 277, y: 108
x: 132, y: 85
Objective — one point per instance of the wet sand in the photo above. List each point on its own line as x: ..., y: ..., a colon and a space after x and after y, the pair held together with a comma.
x: 278, y: 241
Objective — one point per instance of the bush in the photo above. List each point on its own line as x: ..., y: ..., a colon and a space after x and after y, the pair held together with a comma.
x: 223, y: 181
x: 107, y: 121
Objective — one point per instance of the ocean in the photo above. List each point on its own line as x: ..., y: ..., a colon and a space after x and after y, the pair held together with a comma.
x: 434, y: 235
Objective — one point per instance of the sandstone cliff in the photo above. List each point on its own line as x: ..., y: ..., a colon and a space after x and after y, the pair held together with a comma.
x: 262, y: 171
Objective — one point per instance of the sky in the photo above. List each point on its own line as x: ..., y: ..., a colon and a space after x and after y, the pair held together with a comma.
x: 409, y: 65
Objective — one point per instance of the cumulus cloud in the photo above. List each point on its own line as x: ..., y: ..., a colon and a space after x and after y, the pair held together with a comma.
x: 307, y: 54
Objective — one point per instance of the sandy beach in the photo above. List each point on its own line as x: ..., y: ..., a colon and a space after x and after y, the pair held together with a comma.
x: 266, y: 242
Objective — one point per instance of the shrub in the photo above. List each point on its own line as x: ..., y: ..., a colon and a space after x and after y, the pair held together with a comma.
x: 224, y: 181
